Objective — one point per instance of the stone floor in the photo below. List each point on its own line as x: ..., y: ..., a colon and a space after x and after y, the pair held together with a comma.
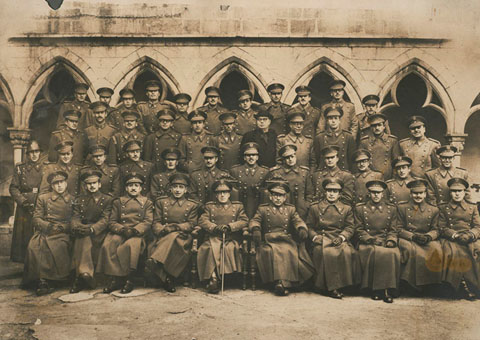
x: 194, y: 314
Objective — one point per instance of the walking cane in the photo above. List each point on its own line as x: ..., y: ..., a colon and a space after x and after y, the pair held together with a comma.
x: 223, y: 259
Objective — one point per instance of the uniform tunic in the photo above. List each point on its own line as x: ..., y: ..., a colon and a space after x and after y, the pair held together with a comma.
x: 99, y: 135
x: 380, y: 265
x: 116, y: 143
x: 300, y: 184
x: 141, y: 167
x: 160, y: 184
x: 148, y: 112
x: 115, y: 118
x: 110, y: 178
x: 304, y: 144
x: 246, y: 121
x: 173, y: 249
x: 78, y: 139
x: 118, y: 256
x: 438, y: 191
x: 90, y: 210
x: 73, y: 181
x: 279, y: 257
x: 229, y: 146
x: 48, y: 255
x: 421, y: 264
x: 279, y: 113
x: 191, y: 147
x: 460, y: 260
x: 86, y: 117
x: 347, y: 178
x: 181, y: 123
x: 363, y: 126
x: 157, y: 142
x: 384, y: 150
x: 202, y: 180
x: 251, y: 181
x: 397, y: 190
x: 210, y: 252
x: 342, y: 139
x: 335, y: 266
x: 348, y: 121
x: 24, y: 188
x: 213, y: 124
x: 422, y: 153
x: 360, y: 191
x: 267, y: 142
x: 312, y: 118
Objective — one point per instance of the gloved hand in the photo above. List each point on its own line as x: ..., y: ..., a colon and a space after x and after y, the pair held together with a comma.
x: 337, y: 241
x: 183, y: 235
x: 302, y: 234
x: 226, y: 228
x: 464, y: 238
x: 127, y: 232
x: 170, y: 228
x: 390, y: 244
x: 257, y: 236
x: 56, y: 229
x: 421, y: 239
x: 81, y: 231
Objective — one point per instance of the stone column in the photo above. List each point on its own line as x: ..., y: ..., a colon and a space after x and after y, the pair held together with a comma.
x: 19, y: 139
x: 457, y: 140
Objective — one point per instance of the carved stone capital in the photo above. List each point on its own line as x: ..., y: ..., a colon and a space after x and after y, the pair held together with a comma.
x: 19, y: 137
x: 457, y: 140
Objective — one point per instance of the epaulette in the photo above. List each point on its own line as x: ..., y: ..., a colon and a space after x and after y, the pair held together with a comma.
x: 276, y: 167
x: 314, y: 202
x: 390, y: 180
x: 48, y: 162
x: 67, y: 101
x: 208, y: 132
x: 404, y: 140
x: 391, y: 204
x: 308, y: 136
x: 161, y: 197
x: 141, y: 102
x: 401, y: 202
x: 347, y: 131
x: 56, y: 132
x: 20, y: 164
x: 236, y: 202
x: 210, y: 203
x: 78, y: 164
x: 112, y: 165
x: 193, y: 201
x: 236, y: 166
x: 281, y: 136
x: 393, y: 136
x: 264, y: 205
x: 107, y: 194
x: 360, y: 204
x: 364, y: 137
x: 196, y: 170
x: 433, y: 205
x: 304, y: 167
x: 434, y: 140
x: 264, y: 167
x: 288, y: 204
x: 459, y: 168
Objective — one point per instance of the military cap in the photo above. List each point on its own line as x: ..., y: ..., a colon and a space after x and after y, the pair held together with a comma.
x: 376, y: 185
x: 401, y: 160
x: 72, y: 115
x: 417, y: 185
x: 64, y: 147
x: 279, y: 186
x: 171, y: 153
x: 98, y: 106
x: 152, y: 85
x: 132, y: 145
x: 250, y: 148
x: 376, y: 118
x: 212, y: 91
x: 416, y: 121
x: 81, y: 88
x: 361, y: 154
x: 457, y: 183
x: 333, y: 111
x: 330, y: 151
x: 134, y: 177
x: 127, y: 93
x: 332, y: 183
x: 91, y: 176
x: 57, y: 176
x: 228, y: 117
x: 244, y: 94
x: 303, y: 90
x: 287, y: 150
x: 182, y: 98
x: 130, y: 115
x: 296, y: 116
x: 179, y: 178
x: 447, y: 151
x: 105, y: 92
x: 210, y: 151
x: 263, y: 113
x: 371, y: 99
x: 98, y: 150
x: 337, y: 84
x: 32, y: 148
x: 275, y: 88
x: 221, y: 185
x: 165, y: 114
x: 197, y: 115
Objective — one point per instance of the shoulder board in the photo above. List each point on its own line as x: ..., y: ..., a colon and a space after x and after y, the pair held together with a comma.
x: 286, y: 105
x: 404, y: 140
x: 112, y: 165
x: 401, y: 202
x: 360, y: 204
x: 264, y: 205
x: 48, y: 162
x: 281, y: 136
x: 347, y: 132
x: 236, y: 166
x: 431, y: 170
x: 390, y: 180
x: 463, y: 169
x: 304, y: 167
x: 433, y: 205
x: 237, y: 202
x: 434, y: 140
x: 161, y: 197
x: 56, y: 132
x: 308, y: 136
x: 108, y: 194
x: 208, y: 132
x: 392, y: 136
x: 210, y: 203
x: 314, y: 202
x: 193, y: 201
x: 276, y: 167
x: 364, y: 137
x: 79, y: 165
x: 391, y: 204
x: 20, y: 164
x: 289, y: 205
x: 85, y: 167
x: 196, y: 170
x: 264, y: 167
x: 142, y: 102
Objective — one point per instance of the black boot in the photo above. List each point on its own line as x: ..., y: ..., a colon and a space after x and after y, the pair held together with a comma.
x: 468, y: 295
x: 377, y: 295
x: 43, y: 288
x: 76, y: 286
x: 170, y: 284
x: 280, y: 289
x: 88, y: 280
x: 114, y: 284
x: 387, y: 297
x: 335, y: 294
x: 128, y: 286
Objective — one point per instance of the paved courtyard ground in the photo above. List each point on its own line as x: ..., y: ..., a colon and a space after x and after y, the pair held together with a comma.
x: 194, y: 314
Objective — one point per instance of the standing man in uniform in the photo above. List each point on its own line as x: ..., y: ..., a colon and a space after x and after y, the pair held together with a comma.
x: 134, y: 164
x: 421, y: 149
x: 312, y: 114
x: 245, y: 114
x: 349, y: 120
x: 130, y: 220
x: 397, y: 190
x: 438, y: 178
x: 127, y: 133
x: 370, y: 105
x: 265, y: 137
x: 228, y: 141
x: 115, y: 119
x: 304, y: 144
x: 69, y: 132
x: 24, y: 189
x: 48, y: 252
x: 251, y: 178
x: 383, y: 147
x: 213, y: 109
x: 100, y: 132
x: 181, y: 123
x: 363, y: 174
x: 159, y: 185
x: 148, y: 110
x: 105, y: 96
x: 277, y: 109
x: 89, y: 227
x: 78, y: 104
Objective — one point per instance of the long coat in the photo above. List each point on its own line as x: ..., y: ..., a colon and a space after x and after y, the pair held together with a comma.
x: 397, y: 190
x: 437, y: 190
x: 118, y: 256
x: 73, y: 180
x: 360, y: 191
x: 24, y: 189
x: 267, y: 143
x: 202, y: 181
x: 229, y: 146
x: 421, y: 264
x: 342, y: 139
x: 78, y: 138
x: 348, y: 121
x: 191, y: 147
x: 380, y: 265
x: 460, y: 260
x: 384, y: 150
x: 304, y: 144
x: 209, y: 253
x: 212, y: 124
x: 279, y: 256
x: 148, y: 111
x: 141, y: 167
x: 158, y: 141
x: 422, y: 153
x: 246, y: 121
x: 335, y: 266
x: 116, y: 143
x: 91, y: 210
x: 98, y: 135
x: 48, y: 255
x: 110, y: 178
x: 173, y: 249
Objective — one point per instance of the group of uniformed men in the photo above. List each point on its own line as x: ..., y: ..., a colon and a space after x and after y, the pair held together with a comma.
x: 324, y: 194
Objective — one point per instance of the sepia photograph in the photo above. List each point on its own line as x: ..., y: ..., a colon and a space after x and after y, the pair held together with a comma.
x: 209, y: 169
